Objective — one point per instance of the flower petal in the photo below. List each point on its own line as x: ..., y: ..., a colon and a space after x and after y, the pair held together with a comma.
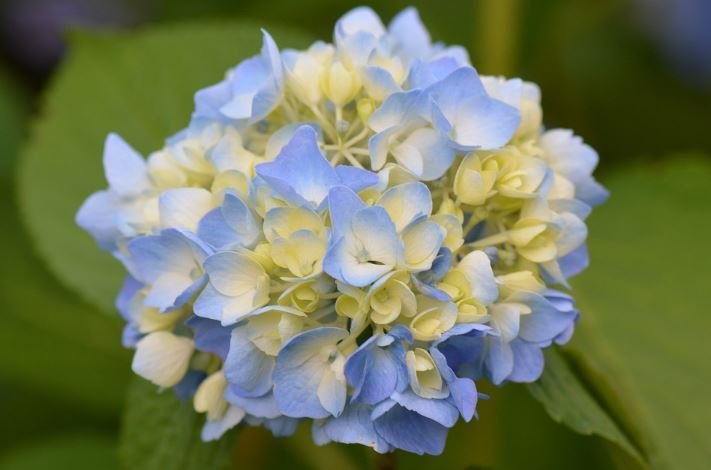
x: 163, y: 358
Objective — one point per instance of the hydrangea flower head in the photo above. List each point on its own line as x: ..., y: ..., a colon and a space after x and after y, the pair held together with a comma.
x: 354, y: 234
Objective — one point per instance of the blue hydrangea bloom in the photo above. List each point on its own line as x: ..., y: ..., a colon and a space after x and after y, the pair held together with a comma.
x: 354, y: 235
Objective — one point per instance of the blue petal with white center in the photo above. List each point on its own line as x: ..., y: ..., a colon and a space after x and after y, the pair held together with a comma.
x: 230, y: 226
x: 468, y: 116
x: 377, y: 369
x: 171, y: 263
x: 308, y: 376
x: 369, y: 248
x: 302, y: 175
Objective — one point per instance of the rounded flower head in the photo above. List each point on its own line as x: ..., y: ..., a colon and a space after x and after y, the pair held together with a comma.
x: 351, y: 234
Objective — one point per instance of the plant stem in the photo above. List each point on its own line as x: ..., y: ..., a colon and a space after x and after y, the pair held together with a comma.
x: 386, y: 461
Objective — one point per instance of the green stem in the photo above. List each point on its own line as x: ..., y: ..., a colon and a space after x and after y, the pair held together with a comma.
x: 386, y: 461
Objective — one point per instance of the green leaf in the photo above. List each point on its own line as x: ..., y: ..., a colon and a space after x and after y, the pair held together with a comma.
x: 513, y: 432
x: 49, y: 340
x: 159, y: 431
x: 568, y: 401
x: 139, y: 85
x: 76, y: 451
x: 644, y: 300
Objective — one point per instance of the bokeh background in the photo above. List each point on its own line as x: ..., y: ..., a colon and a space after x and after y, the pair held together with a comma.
x: 633, y: 77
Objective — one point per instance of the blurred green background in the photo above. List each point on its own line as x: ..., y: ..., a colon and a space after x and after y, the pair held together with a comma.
x: 633, y: 77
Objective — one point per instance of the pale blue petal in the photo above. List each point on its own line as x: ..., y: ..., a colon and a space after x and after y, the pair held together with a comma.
x: 398, y: 109
x: 476, y: 267
x: 372, y: 235
x: 98, y: 216
x: 379, y: 147
x: 208, y: 102
x: 261, y: 407
x: 463, y: 346
x: 545, y: 322
x: 591, y: 192
x: 435, y: 151
x: 300, y: 173
x: 279, y: 427
x: 528, y: 362
x: 574, y: 262
x: 230, y: 226
x: 211, y: 304
x: 356, y: 49
x: 565, y: 335
x: 374, y: 228
x: 188, y: 385
x: 128, y: 291
x: 343, y: 203
x: 463, y: 393
x: 186, y: 295
x: 281, y: 137
x: 406, y: 203
x: 167, y: 262
x: 130, y: 335
x: 247, y: 368
x: 354, y: 426
x: 355, y: 178
x: 409, y: 36
x: 578, y: 208
x: 459, y: 86
x: 484, y: 123
x: 360, y: 19
x: 214, y: 230
x: 257, y: 85
x: 210, y: 336
x: 183, y: 208
x: 172, y: 251
x: 125, y: 168
x: 409, y: 431
x: 336, y: 258
x: 429, y: 290
x: 426, y: 73
x: 375, y: 372
x: 378, y: 82
x: 441, y: 264
x: 560, y: 300
x: 437, y: 410
x: 213, y: 430
x: 401, y: 332
x: 464, y: 112
x: 300, y: 367
x: 499, y: 359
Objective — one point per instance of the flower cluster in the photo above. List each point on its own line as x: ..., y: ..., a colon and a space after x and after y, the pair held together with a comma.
x: 354, y: 233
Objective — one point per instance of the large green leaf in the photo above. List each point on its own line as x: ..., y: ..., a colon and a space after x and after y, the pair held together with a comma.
x: 645, y: 301
x: 45, y: 384
x: 137, y: 84
x: 567, y: 401
x: 513, y: 432
x: 49, y: 340
x: 159, y: 431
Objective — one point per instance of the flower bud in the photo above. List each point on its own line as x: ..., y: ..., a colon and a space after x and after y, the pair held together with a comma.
x: 340, y: 85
